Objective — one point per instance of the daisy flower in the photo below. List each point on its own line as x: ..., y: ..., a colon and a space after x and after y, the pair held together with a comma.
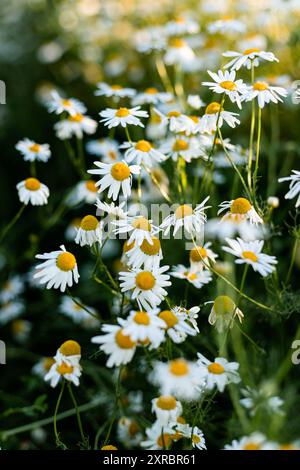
x: 240, y: 209
x: 150, y: 39
x: 181, y: 26
x: 201, y: 256
x: 75, y: 125
x: 119, y: 347
x: 32, y: 151
x: 186, y: 218
x: 227, y: 26
x: 225, y: 82
x: 33, y: 191
x: 58, y: 105
x: 166, y: 408
x: 42, y: 367
x: 195, y: 101
x: 208, y: 122
x: 158, y: 437
x: 106, y: 148
x: 66, y: 365
x: 230, y: 226
x: 114, y: 91
x: 178, y: 53
x: 265, y: 93
x: 197, y: 278
x: 156, y: 127
x: 145, y: 327
x: 248, y: 58
x: 11, y: 310
x: 141, y: 152
x: 294, y: 188
x: 174, y: 119
x: 77, y: 313
x: 116, y: 177
x: 256, y: 441
x: 193, y: 433
x: 176, y: 325
x: 250, y: 253
x: 256, y: 400
x: 89, y: 232
x: 179, y: 378
x: 146, y: 254
x: 129, y: 432
x: 13, y: 287
x: 84, y: 192
x: 223, y: 311
x: 123, y: 117
x: 190, y: 314
x: 187, y: 148
x: 21, y: 330
x: 218, y: 373
x: 147, y: 286
x: 138, y: 227
x: 151, y: 96
x: 59, y: 269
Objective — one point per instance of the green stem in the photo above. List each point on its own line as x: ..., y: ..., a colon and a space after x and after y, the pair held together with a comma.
x: 251, y: 140
x: 33, y: 169
x: 163, y: 74
x: 127, y: 134
x: 82, y: 306
x: 293, y: 257
x: 57, y: 439
x: 115, y: 408
x: 80, y: 155
x: 257, y: 149
x: 83, y: 438
x: 12, y: 222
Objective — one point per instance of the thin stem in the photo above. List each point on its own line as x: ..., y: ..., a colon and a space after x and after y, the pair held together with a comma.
x: 83, y: 438
x: 157, y: 184
x: 57, y: 439
x: 99, y: 281
x: 115, y: 408
x: 293, y: 257
x: 12, y: 222
x: 257, y: 148
x: 33, y: 169
x: 80, y: 155
x: 163, y: 74
x: 127, y: 134
x: 82, y: 306
x: 251, y: 140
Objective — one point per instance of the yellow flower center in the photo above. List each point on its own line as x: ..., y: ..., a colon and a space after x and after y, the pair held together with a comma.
x: 91, y: 186
x: 122, y: 112
x: 173, y: 114
x: 151, y: 250
x: 192, y: 277
x: 124, y: 341
x: 48, y: 363
x: 181, y: 420
x: 64, y: 369
x: 250, y: 255
x: 195, y: 119
x: 66, y: 103
x: 109, y: 447
x: 164, y: 440
x: 116, y: 87
x: 70, y: 348
x: 196, y: 439
x: 32, y: 184
x: 240, y: 206
x: 228, y: 85
x: 120, y: 171
x: 177, y: 42
x: 127, y: 246
x: 183, y: 211
x: 215, y: 368
x: 252, y: 446
x: 169, y: 318
x: 166, y: 402
x: 76, y: 222
x: 143, y: 146
x: 155, y: 119
x: 141, y: 318
x: 179, y: 145
x: 112, y: 155
x: 260, y: 86
x: 89, y: 222
x: 18, y: 326
x: 287, y: 447
x: 133, y: 429
x: 213, y: 108
x: 35, y: 148
x: 250, y: 51
x: 66, y: 261
x: 76, y: 118
x: 151, y: 91
x: 141, y: 223
x: 224, y: 305
x: 179, y: 367
x: 145, y: 280
x: 197, y: 254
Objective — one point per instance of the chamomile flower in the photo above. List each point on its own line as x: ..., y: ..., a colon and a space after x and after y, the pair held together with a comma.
x: 72, y: 228
x: 197, y: 278
x: 76, y: 312
x: 21, y: 330
x: 190, y: 314
x: 151, y: 96
x: 181, y: 26
x: 174, y: 120
x: 156, y: 127
x: 223, y: 312
x: 59, y: 269
x: 225, y: 82
x: 227, y: 25
x: 158, y: 437
x: 179, y: 53
x: 84, y: 192
x: 107, y: 149
x: 187, y: 148
x: 166, y: 408
x: 114, y: 91
x: 193, y: 433
x: 230, y: 226
x: 89, y: 232
x: 179, y: 378
x: 42, y: 367
x: 259, y: 399
x: 176, y: 325
x: 123, y: 117
x: 138, y: 227
x: 186, y: 218
x: 201, y: 256
x: 58, y: 105
x: 32, y: 151
x: 256, y: 441
x: 116, y: 177
x: 294, y: 188
x: 75, y: 125
x: 250, y: 253
x: 146, y: 254
x: 218, y: 373
x: 66, y: 365
x: 33, y: 191
x: 141, y: 152
x: 214, y: 114
x: 147, y: 287
x: 248, y: 58
x: 129, y: 432
x: 195, y: 101
x: 119, y: 347
x: 265, y: 93
x: 11, y: 310
x: 240, y: 209
x: 145, y: 327
x: 11, y: 288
